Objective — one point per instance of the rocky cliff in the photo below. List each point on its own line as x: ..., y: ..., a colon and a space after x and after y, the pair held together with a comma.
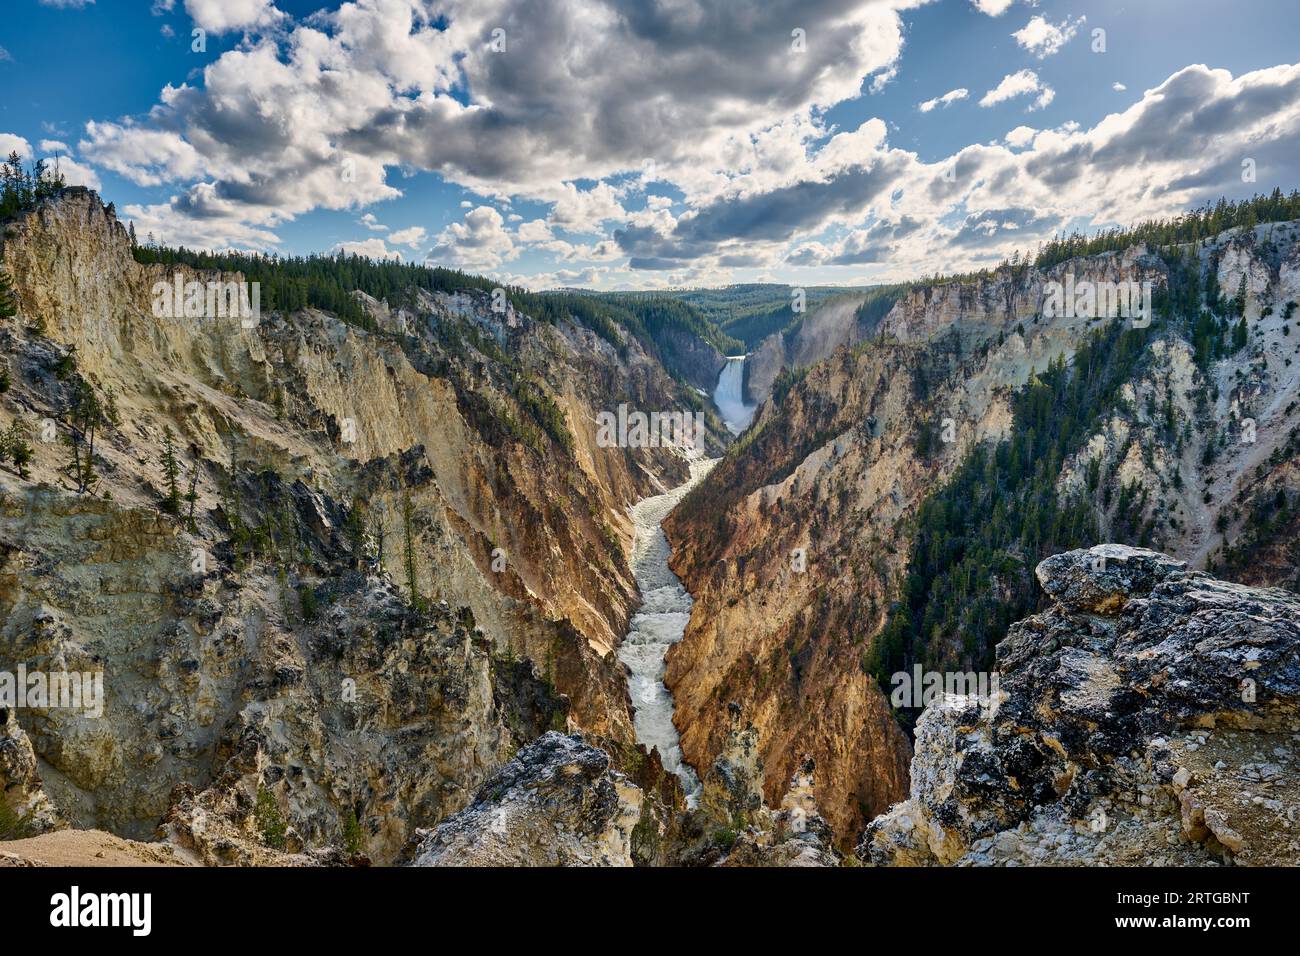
x: 263, y: 671
x: 559, y: 802
x: 800, y: 546
x: 1150, y: 716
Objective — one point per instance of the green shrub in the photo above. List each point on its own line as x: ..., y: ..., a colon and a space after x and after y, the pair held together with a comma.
x: 270, y: 822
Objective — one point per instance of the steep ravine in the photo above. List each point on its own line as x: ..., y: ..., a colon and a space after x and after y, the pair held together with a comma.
x: 288, y: 666
x: 658, y: 624
x: 797, y: 546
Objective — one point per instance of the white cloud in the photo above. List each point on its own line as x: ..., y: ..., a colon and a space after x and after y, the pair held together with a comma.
x: 220, y: 16
x: 994, y: 8
x: 899, y: 216
x: 412, y: 237
x: 216, y: 232
x: 479, y: 242
x: 1020, y: 137
x: 66, y: 4
x: 381, y: 83
x: 1118, y: 87
x: 583, y: 116
x: 1043, y: 38
x: 147, y: 157
x: 13, y: 143
x: 535, y: 231
x: 1022, y: 83
x: 374, y: 248
x: 73, y: 172
x: 584, y: 210
x: 370, y: 222
x: 952, y: 96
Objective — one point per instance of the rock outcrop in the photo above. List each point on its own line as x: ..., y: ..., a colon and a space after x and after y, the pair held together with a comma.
x: 557, y: 803
x: 733, y: 826
x: 1150, y: 716
x: 25, y: 808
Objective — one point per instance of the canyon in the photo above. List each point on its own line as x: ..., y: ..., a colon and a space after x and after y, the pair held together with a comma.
x: 413, y: 611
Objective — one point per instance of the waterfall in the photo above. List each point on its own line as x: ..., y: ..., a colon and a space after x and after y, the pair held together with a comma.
x: 729, y: 396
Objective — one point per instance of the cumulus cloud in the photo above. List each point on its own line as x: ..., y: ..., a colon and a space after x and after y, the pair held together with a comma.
x: 592, y: 101
x: 1022, y: 83
x: 480, y: 241
x: 952, y: 96
x: 221, y: 16
x: 372, y: 248
x: 1178, y: 146
x: 585, y: 210
x: 1118, y: 87
x: 413, y: 237
x: 994, y: 8
x: 1020, y: 136
x: 73, y: 172
x: 147, y: 157
x: 584, y: 90
x: 535, y: 231
x: 1043, y: 38
x: 13, y: 143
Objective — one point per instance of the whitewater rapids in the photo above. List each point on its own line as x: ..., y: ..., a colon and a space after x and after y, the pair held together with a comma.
x: 660, y: 623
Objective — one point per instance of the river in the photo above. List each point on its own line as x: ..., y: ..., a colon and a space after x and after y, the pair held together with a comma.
x: 660, y: 623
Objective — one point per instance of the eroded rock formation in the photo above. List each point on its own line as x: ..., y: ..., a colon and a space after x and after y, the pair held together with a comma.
x: 1150, y: 716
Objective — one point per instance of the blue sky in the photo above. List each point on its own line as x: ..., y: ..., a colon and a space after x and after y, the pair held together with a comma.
x: 621, y: 144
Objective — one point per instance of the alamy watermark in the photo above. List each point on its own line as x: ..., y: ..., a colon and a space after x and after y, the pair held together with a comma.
x: 1086, y: 299
x: 633, y: 429
x: 62, y: 690
x: 921, y: 688
x: 179, y: 299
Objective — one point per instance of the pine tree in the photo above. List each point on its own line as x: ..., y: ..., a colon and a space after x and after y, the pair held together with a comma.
x: 17, y: 448
x: 354, y: 530
x: 8, y: 303
x: 172, y: 503
x: 409, y: 562
x: 85, y: 414
x: 192, y: 496
x: 1239, y: 335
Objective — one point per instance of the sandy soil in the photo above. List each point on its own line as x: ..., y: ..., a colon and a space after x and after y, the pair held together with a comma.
x: 87, y: 848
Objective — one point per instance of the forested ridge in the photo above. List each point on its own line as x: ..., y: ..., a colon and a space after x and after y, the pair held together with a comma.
x: 977, y: 540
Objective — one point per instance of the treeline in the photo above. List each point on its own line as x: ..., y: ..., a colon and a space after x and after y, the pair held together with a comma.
x: 328, y: 282
x: 1210, y: 220
x: 656, y: 314
x: 24, y: 187
x: 645, y: 316
x: 747, y: 313
x: 325, y: 282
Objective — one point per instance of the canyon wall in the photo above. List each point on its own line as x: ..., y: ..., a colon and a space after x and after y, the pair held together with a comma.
x: 797, y: 546
x: 256, y: 646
